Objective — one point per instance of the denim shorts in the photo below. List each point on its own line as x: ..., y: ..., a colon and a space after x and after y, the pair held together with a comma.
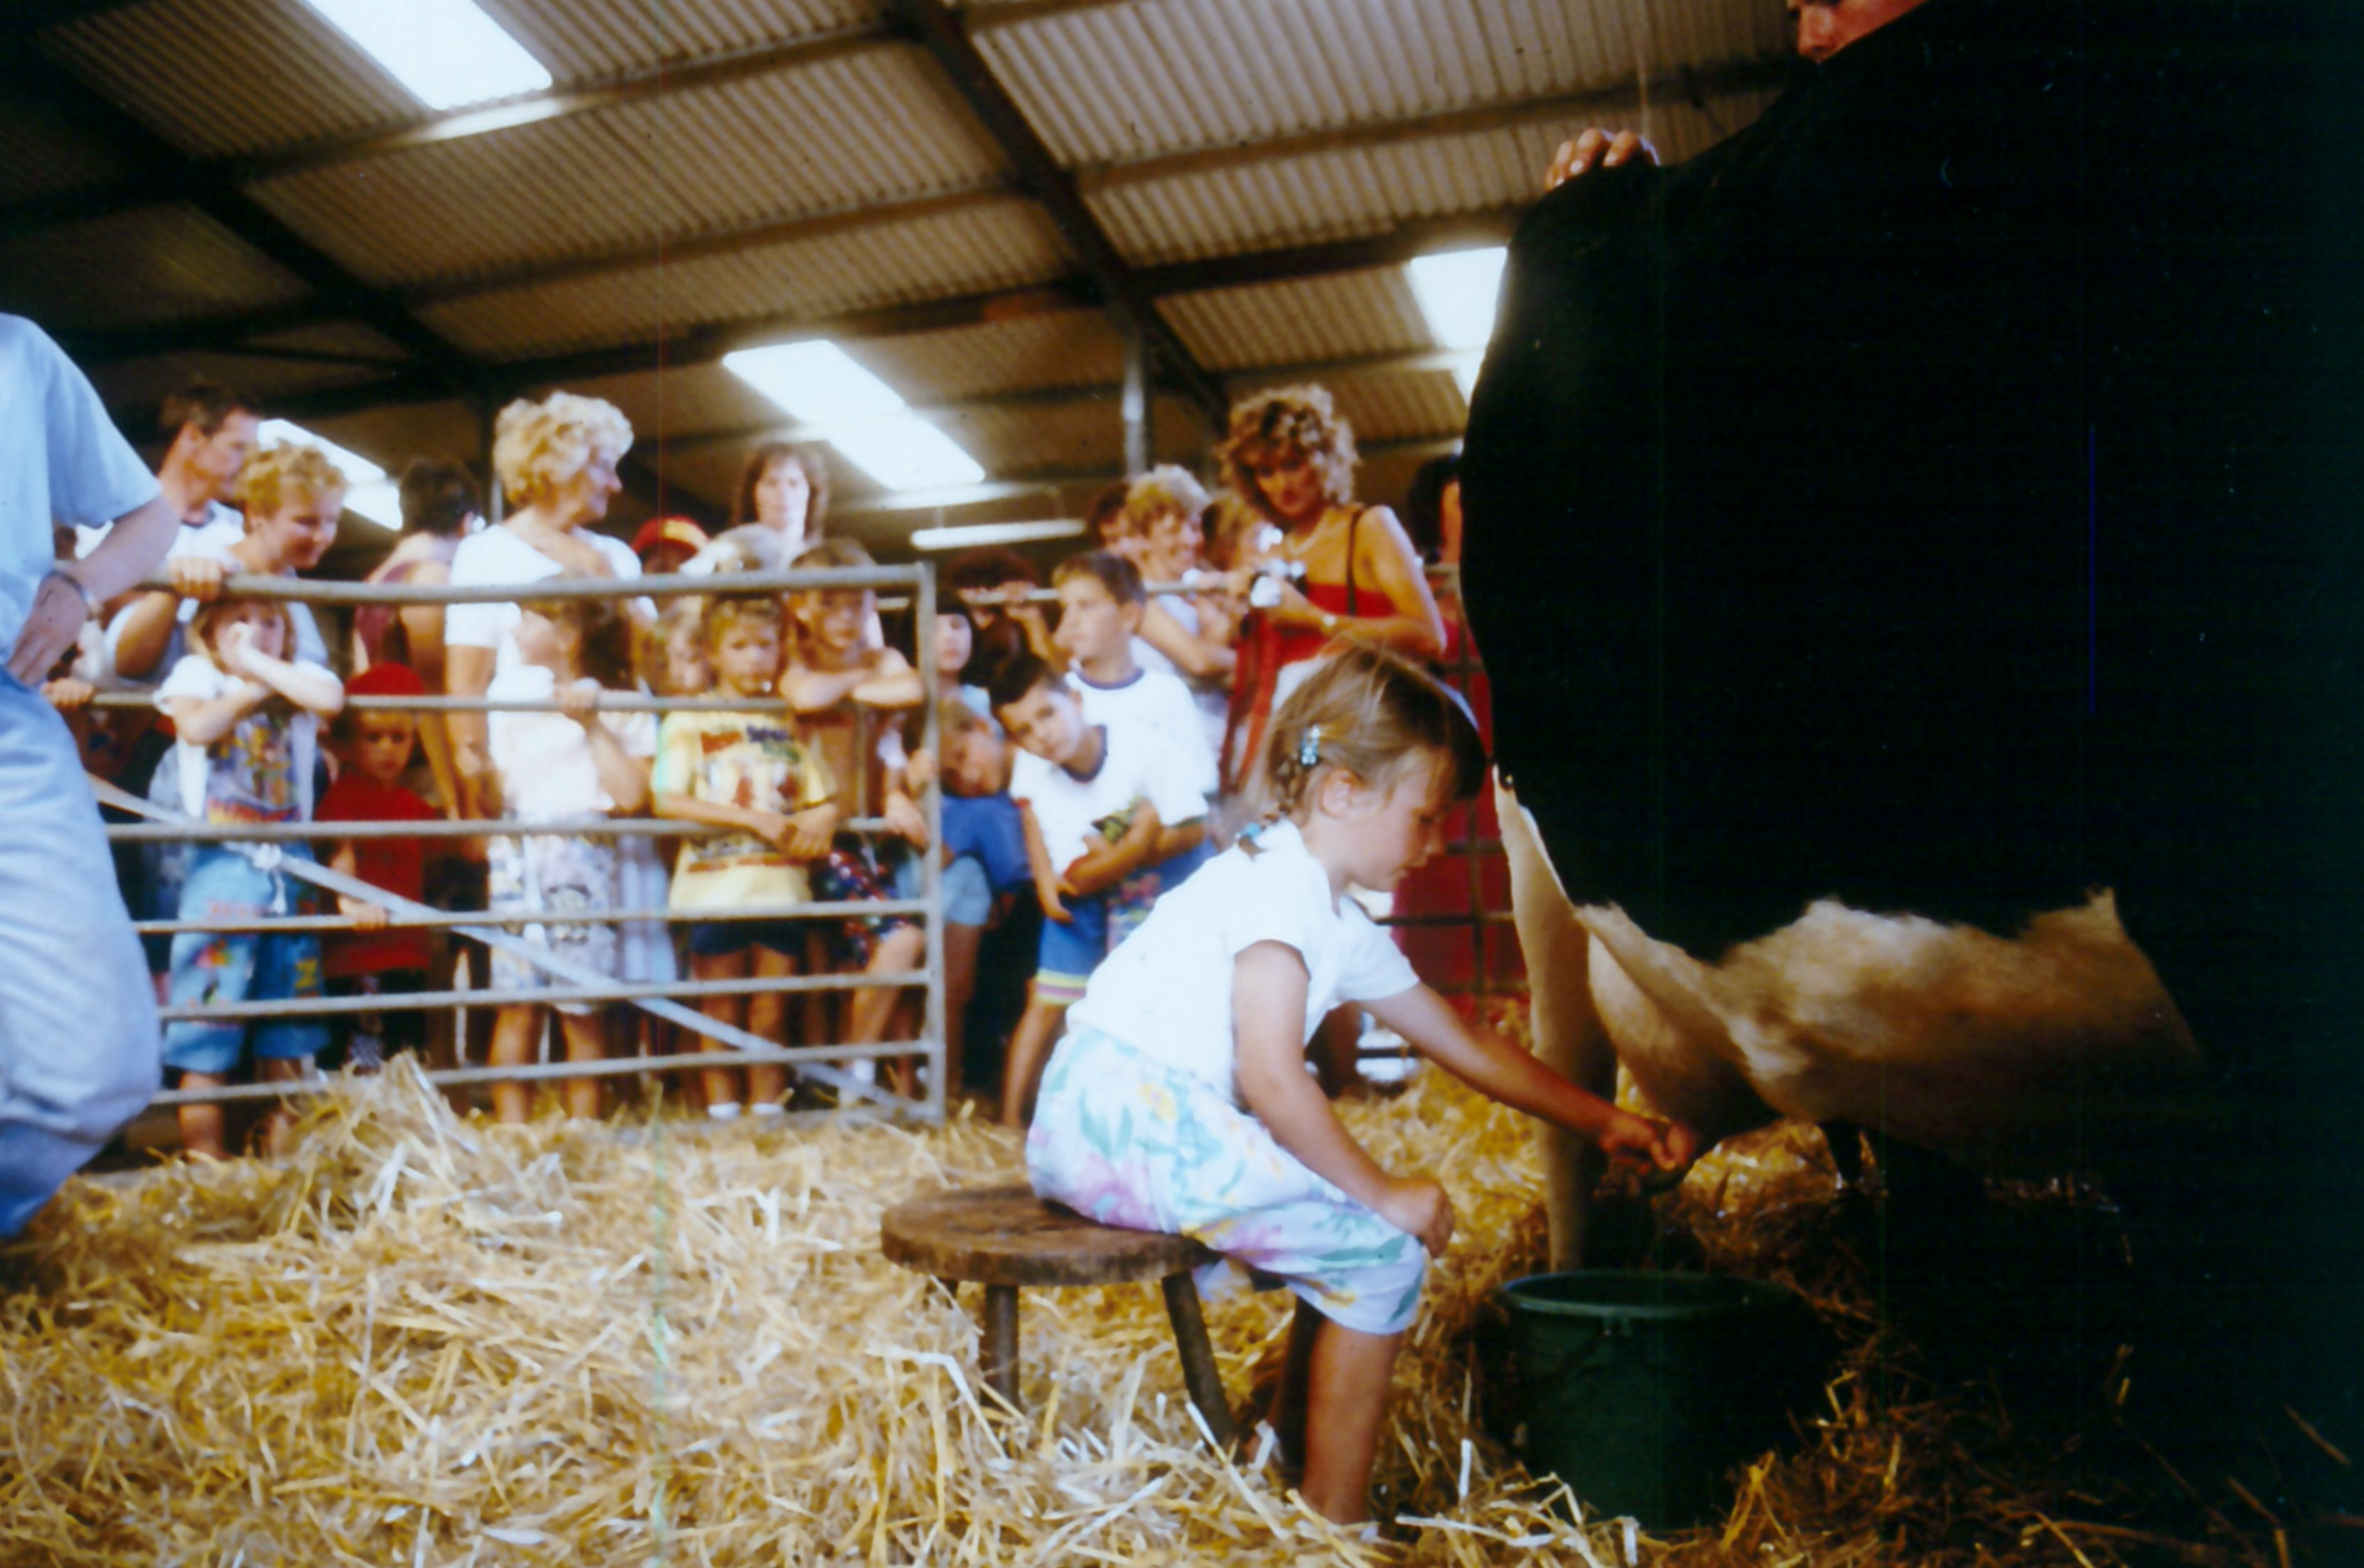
x: 240, y: 966
x: 968, y: 896
x: 721, y: 938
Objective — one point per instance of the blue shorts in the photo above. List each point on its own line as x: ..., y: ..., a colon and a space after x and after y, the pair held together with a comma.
x: 968, y: 896
x: 721, y: 938
x: 240, y: 966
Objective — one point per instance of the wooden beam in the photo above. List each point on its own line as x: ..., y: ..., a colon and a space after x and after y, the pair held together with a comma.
x: 941, y: 32
x: 23, y: 18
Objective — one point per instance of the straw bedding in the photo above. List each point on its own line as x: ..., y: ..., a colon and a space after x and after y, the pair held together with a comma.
x: 421, y: 1340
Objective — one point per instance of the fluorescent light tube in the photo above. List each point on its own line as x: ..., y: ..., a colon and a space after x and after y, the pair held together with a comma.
x: 448, y: 53
x: 866, y: 420
x: 1457, y: 293
x: 971, y: 535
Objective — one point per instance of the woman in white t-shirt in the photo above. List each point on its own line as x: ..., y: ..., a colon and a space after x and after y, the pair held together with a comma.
x: 1179, y: 1101
x: 555, y: 461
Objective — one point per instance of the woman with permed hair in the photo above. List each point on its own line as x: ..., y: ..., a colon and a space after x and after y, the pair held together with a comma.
x: 1291, y: 456
x: 555, y: 460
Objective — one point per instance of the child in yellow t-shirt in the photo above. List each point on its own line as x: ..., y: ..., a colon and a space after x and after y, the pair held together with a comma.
x: 752, y: 773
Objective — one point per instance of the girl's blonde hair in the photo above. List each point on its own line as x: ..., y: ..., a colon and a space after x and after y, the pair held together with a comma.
x: 1285, y: 422
x: 602, y: 627
x: 279, y: 476
x: 683, y: 613
x: 1168, y: 487
x: 1372, y: 714
x: 202, y: 624
x: 537, y: 447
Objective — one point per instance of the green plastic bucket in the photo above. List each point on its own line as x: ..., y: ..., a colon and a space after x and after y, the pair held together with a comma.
x: 1642, y: 1390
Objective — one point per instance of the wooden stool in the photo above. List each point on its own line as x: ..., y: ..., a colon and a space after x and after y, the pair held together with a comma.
x: 1003, y: 1237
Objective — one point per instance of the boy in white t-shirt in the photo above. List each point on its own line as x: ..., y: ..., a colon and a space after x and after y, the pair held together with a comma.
x: 1103, y: 812
x: 1101, y: 602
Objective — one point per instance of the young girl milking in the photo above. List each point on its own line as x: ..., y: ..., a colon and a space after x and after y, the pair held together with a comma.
x: 1180, y: 1100
x: 562, y: 766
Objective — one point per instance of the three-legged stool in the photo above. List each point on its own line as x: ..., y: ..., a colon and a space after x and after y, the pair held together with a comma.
x: 1005, y: 1237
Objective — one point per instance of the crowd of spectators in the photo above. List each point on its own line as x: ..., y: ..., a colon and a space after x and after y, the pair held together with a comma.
x: 1091, y: 748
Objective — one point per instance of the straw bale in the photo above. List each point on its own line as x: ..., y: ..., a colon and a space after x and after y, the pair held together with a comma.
x: 425, y: 1340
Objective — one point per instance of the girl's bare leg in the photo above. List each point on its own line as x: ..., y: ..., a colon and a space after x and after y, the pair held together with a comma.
x: 961, y: 945
x: 282, y: 1120
x: 767, y: 1017
x: 586, y: 1040
x: 1030, y: 1047
x: 201, y: 1126
x: 722, y: 1082
x: 513, y: 1041
x: 900, y: 950
x: 1346, y: 1398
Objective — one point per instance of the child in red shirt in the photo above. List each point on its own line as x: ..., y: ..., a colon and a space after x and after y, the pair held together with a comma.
x: 379, y: 959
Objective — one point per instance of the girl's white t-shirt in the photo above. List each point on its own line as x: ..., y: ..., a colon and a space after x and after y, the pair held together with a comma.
x: 545, y: 764
x: 497, y: 556
x: 249, y: 774
x: 1166, y: 990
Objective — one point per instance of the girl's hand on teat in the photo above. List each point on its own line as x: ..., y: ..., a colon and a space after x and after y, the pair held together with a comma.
x: 1668, y: 1145
x: 579, y: 700
x: 1419, y: 1207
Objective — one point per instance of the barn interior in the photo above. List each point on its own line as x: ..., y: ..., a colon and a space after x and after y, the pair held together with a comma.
x: 1041, y: 244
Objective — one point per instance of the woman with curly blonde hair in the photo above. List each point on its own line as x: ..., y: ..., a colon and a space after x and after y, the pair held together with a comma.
x: 556, y: 461
x: 1291, y: 456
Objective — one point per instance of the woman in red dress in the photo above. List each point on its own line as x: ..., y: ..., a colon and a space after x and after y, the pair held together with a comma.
x: 1330, y: 566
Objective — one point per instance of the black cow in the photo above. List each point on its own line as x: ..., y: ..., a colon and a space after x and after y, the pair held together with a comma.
x: 1937, y: 500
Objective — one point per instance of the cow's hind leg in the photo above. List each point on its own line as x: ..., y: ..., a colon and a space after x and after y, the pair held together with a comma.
x: 1568, y: 1035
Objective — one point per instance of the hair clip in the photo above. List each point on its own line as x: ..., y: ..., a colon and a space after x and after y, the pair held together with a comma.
x: 1309, y: 746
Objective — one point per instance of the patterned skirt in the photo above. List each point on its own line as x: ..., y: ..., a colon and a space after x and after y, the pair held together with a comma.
x: 1126, y: 1140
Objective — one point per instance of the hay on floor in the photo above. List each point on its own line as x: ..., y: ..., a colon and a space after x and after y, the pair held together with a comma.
x: 421, y: 1340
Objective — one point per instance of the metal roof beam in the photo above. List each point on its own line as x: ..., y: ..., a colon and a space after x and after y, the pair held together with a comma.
x: 941, y: 33
x: 1691, y: 86
x: 1050, y: 481
x: 432, y: 128
x: 706, y: 345
x: 563, y: 103
x: 222, y: 332
x: 786, y: 430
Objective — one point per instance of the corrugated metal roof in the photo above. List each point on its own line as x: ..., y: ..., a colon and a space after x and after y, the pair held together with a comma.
x: 1003, y: 244
x: 586, y: 39
x: 1340, y: 317
x: 856, y: 129
x: 686, y: 401
x: 134, y: 388
x: 391, y: 437
x: 1065, y: 348
x: 1403, y: 406
x: 1117, y: 81
x: 1368, y: 190
x: 41, y: 155
x: 136, y: 268
x: 280, y: 76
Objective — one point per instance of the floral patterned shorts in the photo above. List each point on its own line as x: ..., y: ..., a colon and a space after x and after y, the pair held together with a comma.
x: 1126, y: 1140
